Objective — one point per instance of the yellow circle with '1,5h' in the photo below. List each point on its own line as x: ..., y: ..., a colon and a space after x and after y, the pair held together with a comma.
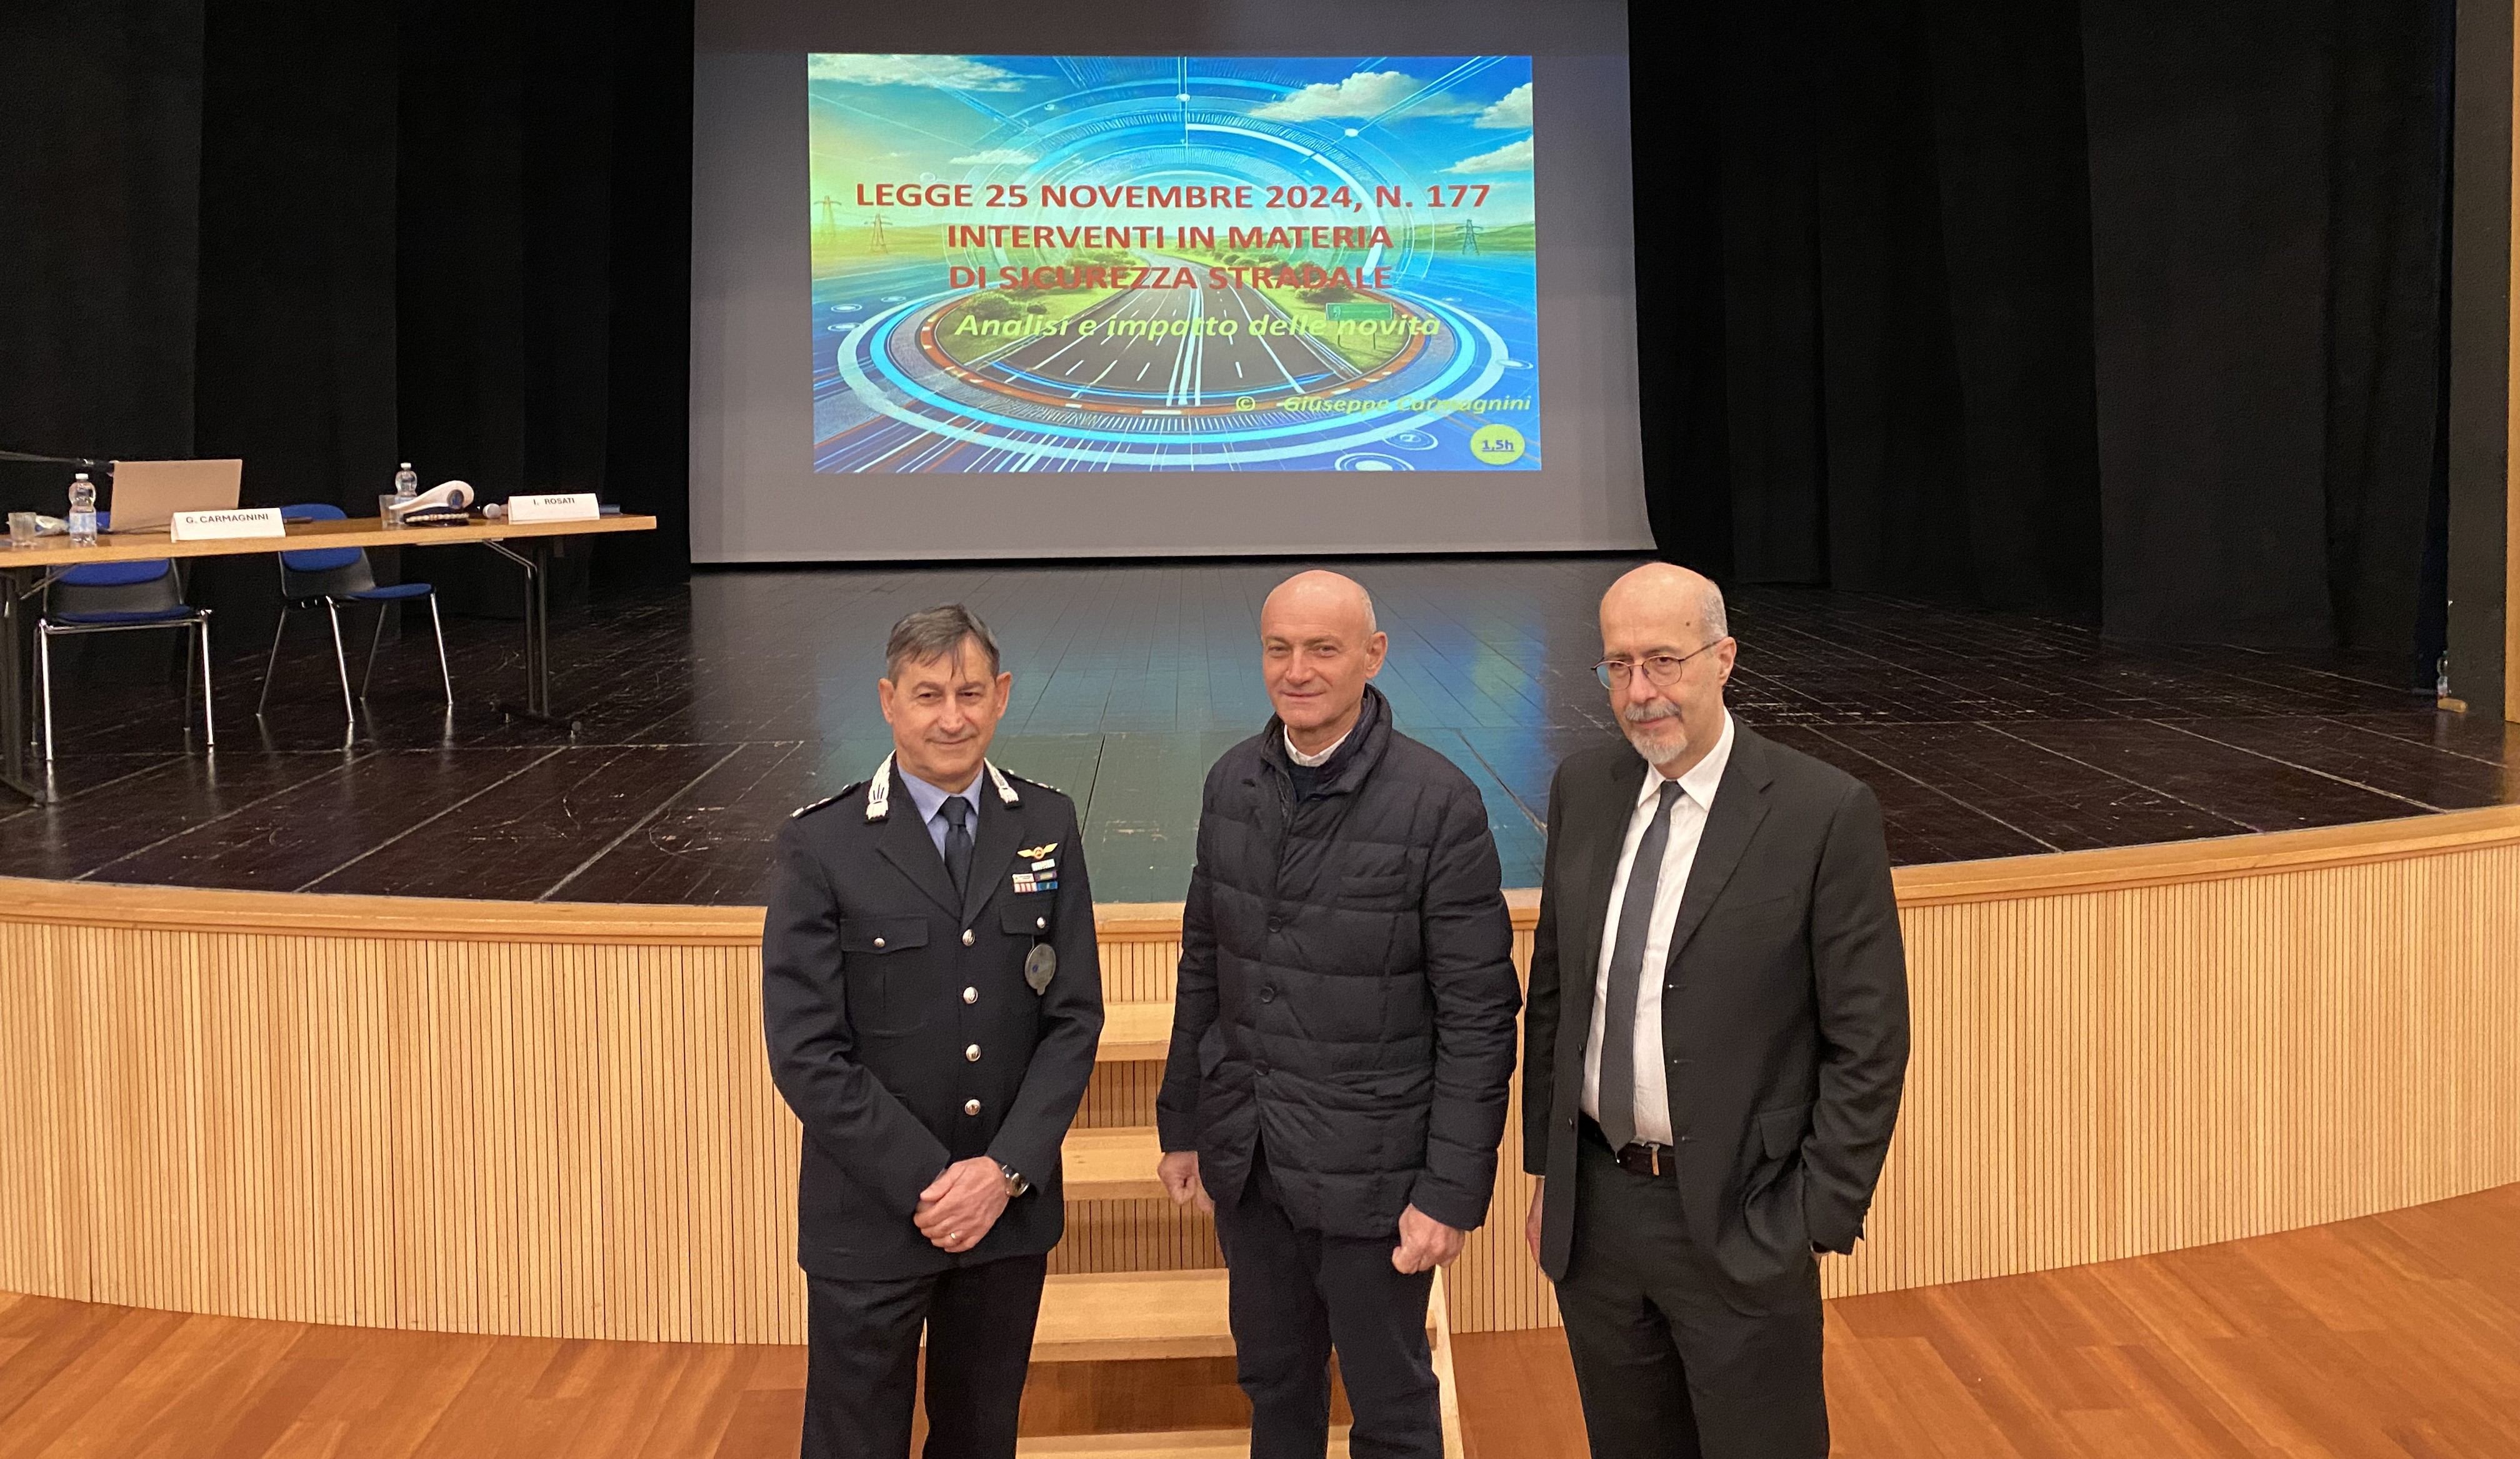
x: 1497, y: 445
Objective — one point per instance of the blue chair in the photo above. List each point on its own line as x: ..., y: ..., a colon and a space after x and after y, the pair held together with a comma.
x: 330, y: 578
x: 111, y: 597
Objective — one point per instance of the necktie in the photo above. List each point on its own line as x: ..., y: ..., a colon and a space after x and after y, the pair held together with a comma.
x: 958, y: 841
x: 1618, y: 1089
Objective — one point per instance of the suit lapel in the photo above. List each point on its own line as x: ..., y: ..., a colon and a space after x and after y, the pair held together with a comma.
x: 1614, y: 803
x: 993, y: 850
x: 1740, y: 803
x: 906, y: 845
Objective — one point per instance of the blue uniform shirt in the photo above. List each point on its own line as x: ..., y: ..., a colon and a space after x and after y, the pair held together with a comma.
x: 930, y: 802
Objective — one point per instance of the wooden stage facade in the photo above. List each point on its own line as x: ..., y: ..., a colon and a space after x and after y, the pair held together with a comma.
x: 554, y: 1121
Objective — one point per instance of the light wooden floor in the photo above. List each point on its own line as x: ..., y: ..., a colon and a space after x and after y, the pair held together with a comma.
x: 2395, y: 1336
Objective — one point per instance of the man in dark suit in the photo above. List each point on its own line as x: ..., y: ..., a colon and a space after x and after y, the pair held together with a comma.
x: 1716, y: 1039
x: 932, y: 1000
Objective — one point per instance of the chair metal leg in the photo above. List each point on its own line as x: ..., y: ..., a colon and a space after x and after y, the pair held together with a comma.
x: 438, y: 627
x: 210, y: 716
x: 340, y: 661
x: 373, y: 644
x: 44, y: 678
x: 272, y: 663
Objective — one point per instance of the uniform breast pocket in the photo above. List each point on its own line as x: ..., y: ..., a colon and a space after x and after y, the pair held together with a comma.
x: 1025, y: 915
x: 878, y: 978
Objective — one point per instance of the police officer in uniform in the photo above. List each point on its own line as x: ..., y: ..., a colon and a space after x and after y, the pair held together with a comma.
x: 932, y: 1000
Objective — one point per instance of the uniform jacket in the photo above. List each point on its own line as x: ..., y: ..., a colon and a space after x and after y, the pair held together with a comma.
x: 1784, y: 1005
x: 901, y: 1029
x: 1346, y: 992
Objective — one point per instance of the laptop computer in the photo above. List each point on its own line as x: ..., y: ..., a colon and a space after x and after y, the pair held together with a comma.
x: 146, y: 494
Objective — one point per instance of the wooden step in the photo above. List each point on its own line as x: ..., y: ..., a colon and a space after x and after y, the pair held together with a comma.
x: 1111, y: 1165
x: 1123, y: 1316
x: 1131, y: 1316
x: 1188, y: 1444
x: 1136, y: 1033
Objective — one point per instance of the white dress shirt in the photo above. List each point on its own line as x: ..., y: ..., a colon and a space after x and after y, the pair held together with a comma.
x: 1313, y: 761
x: 1697, y: 787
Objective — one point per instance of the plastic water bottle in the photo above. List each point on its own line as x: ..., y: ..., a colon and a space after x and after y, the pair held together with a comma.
x: 82, y: 510
x: 406, y: 486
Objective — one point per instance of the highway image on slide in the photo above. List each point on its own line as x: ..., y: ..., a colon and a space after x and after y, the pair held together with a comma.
x: 1173, y: 264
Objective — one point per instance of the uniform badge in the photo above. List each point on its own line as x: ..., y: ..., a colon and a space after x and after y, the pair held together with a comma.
x: 1041, y: 965
x: 879, y: 792
x: 1034, y: 853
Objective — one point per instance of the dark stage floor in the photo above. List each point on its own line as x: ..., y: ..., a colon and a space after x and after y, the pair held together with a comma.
x: 711, y: 712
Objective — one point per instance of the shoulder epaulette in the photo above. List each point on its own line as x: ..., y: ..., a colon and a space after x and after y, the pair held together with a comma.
x: 1029, y: 780
x: 843, y: 794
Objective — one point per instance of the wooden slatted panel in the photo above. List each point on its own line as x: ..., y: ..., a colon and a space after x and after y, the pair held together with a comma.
x: 283, y: 1115
x: 1493, y: 1285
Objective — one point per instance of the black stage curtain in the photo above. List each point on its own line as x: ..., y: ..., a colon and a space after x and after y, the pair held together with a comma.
x: 293, y: 363
x: 100, y: 164
x: 2269, y: 194
x: 2128, y: 312
x: 326, y: 240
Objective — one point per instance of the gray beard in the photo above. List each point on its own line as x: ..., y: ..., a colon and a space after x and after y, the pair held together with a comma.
x: 1654, y: 742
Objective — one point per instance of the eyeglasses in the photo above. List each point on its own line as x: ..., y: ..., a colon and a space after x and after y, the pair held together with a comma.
x: 1661, y: 668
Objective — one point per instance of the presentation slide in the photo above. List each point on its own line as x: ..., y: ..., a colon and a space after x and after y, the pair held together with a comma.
x: 1173, y: 263
x: 1301, y: 278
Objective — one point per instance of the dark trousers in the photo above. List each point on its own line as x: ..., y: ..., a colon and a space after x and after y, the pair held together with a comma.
x: 1299, y: 1295
x: 862, y: 1364
x: 1666, y: 1361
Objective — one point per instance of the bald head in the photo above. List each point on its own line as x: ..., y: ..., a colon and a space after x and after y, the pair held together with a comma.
x: 1320, y: 594
x: 1318, y: 647
x: 1672, y: 593
x: 1667, y: 654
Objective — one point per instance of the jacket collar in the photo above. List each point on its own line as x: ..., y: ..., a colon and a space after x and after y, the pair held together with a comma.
x: 1740, y: 803
x: 1357, y: 756
x: 901, y: 835
x: 903, y: 838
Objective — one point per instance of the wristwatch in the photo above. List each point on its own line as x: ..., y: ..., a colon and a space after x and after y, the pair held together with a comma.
x: 1016, y: 1185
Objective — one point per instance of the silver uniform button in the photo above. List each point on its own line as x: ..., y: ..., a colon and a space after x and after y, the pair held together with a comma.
x: 971, y: 1106
x: 970, y: 995
x: 968, y: 938
x: 879, y: 945
x: 1041, y: 924
x: 972, y: 1053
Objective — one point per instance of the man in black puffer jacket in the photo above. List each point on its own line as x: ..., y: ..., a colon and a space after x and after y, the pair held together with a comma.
x: 1343, y: 1034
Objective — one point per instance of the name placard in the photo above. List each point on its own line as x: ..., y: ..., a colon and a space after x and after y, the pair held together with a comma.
x: 240, y: 521
x: 554, y: 506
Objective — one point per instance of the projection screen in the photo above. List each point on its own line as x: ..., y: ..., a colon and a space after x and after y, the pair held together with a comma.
x: 1155, y: 279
